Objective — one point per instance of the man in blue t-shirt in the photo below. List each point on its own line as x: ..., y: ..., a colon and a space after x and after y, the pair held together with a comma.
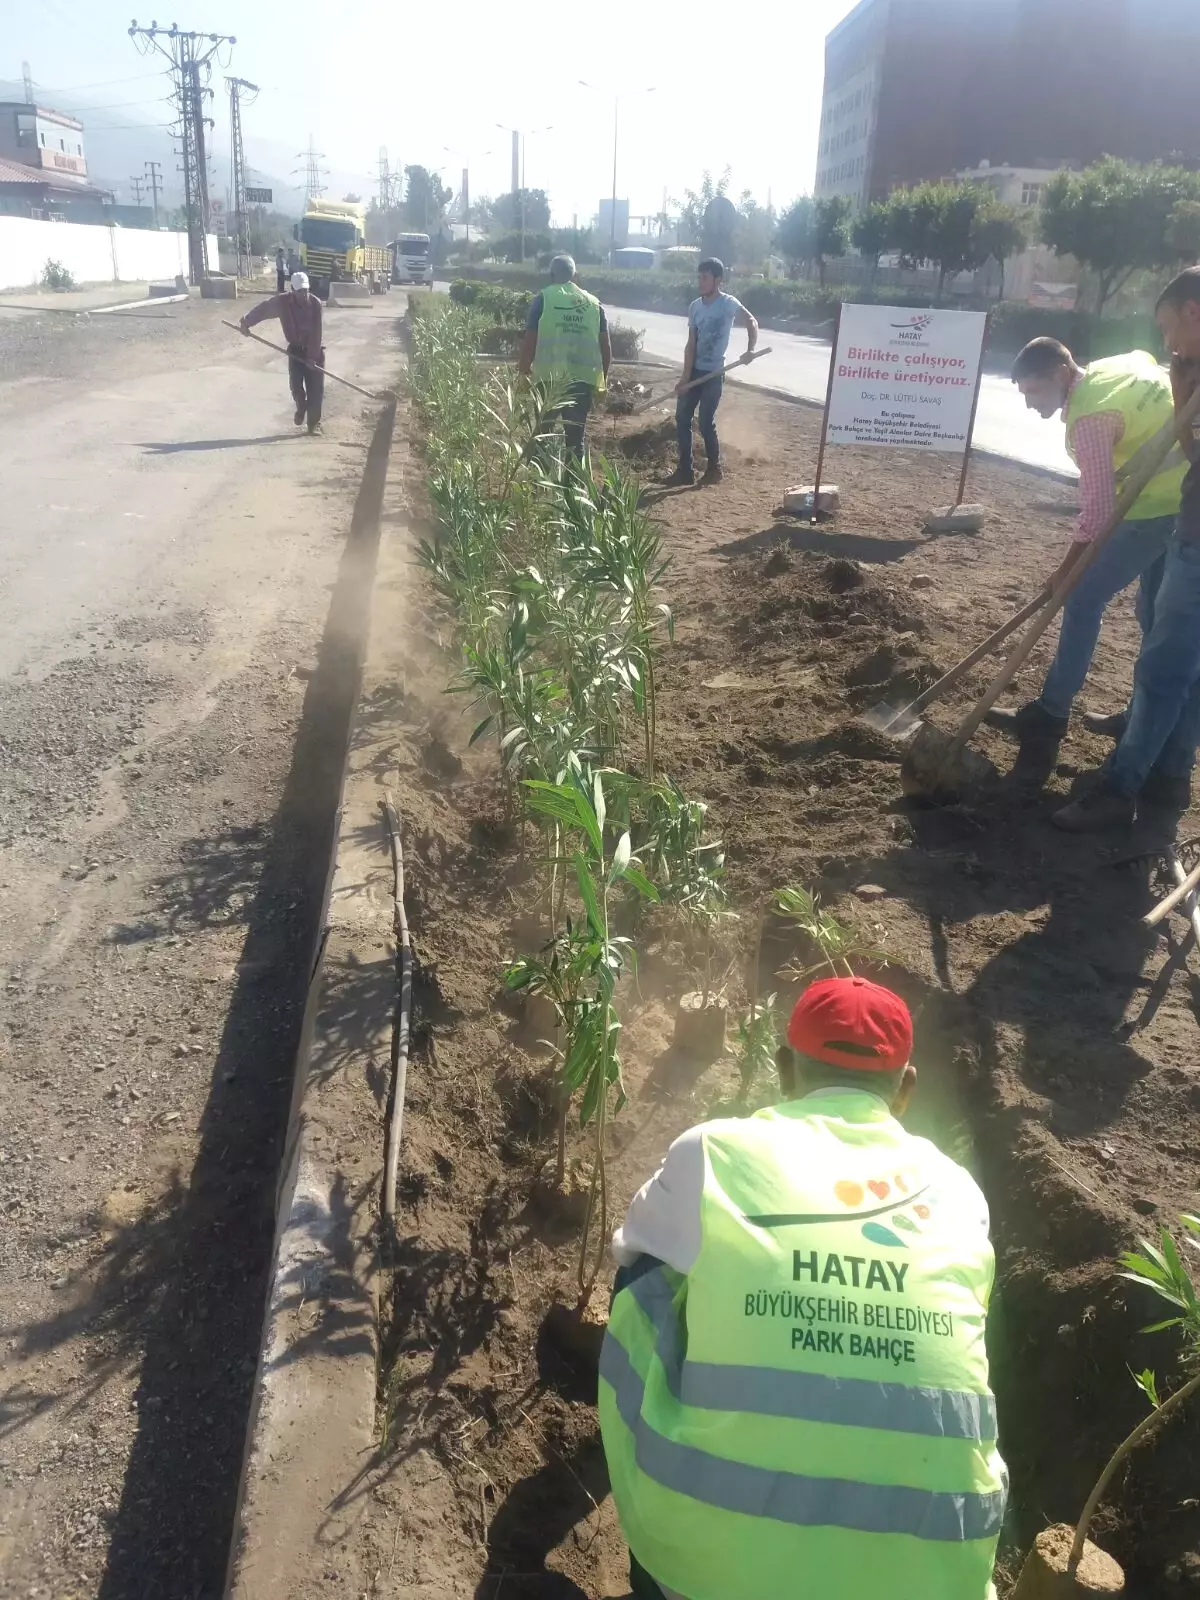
x: 711, y: 319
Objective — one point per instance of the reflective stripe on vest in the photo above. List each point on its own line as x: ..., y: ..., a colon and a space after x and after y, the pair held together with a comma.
x: 810, y: 1396
x: 568, y: 336
x: 791, y: 1496
x: 1139, y: 391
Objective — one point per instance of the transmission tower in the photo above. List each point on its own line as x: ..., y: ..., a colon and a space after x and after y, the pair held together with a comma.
x: 136, y: 184
x: 27, y: 76
x: 190, y: 55
x: 314, y: 188
x: 385, y: 180
x: 241, y: 215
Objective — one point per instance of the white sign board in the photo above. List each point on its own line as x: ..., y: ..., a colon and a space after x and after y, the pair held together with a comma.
x: 904, y: 377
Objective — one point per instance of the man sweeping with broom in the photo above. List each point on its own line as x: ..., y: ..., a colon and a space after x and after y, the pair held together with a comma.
x: 299, y: 313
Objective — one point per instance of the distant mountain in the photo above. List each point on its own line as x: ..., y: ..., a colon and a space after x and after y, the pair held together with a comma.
x: 115, y: 154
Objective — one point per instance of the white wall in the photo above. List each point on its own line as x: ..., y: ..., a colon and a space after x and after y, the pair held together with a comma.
x: 91, y: 253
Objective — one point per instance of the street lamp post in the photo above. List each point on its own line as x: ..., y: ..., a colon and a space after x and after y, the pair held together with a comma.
x: 616, y: 100
x: 466, y: 160
x: 521, y: 134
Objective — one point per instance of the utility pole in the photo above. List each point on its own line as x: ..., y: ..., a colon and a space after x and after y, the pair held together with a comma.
x: 27, y: 76
x: 241, y: 217
x: 190, y: 55
x: 136, y: 185
x: 154, y: 179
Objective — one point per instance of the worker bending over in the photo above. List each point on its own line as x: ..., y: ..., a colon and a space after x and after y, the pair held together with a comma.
x: 566, y: 340
x: 1157, y: 751
x: 794, y: 1385
x: 1111, y: 408
x: 711, y: 319
x: 299, y: 313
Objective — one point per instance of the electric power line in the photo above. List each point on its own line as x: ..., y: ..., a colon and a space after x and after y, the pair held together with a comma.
x: 314, y: 173
x: 136, y: 184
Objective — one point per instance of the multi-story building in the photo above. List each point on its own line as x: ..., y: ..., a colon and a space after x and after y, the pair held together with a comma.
x: 919, y: 89
x: 43, y: 170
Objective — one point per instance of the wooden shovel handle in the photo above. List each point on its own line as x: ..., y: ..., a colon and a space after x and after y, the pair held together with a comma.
x: 1169, y: 902
x: 949, y: 679
x: 1144, y: 466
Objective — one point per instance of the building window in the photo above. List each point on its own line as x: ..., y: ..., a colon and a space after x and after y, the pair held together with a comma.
x: 62, y: 145
x: 1031, y: 194
x: 43, y: 138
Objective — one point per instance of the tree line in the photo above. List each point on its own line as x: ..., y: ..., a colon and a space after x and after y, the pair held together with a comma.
x: 1114, y: 217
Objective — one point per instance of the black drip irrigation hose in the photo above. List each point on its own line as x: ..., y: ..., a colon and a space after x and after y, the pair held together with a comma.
x: 401, y: 1031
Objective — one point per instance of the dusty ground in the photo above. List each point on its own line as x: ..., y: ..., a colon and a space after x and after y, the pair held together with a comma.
x: 1019, y: 949
x: 169, y: 761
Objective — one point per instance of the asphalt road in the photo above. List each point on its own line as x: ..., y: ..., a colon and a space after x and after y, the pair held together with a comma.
x: 169, y: 769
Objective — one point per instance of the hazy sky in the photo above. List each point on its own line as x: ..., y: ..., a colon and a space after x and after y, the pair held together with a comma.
x: 730, y: 88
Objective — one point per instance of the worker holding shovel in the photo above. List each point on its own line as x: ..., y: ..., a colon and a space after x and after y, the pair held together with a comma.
x: 299, y: 313
x: 1111, y: 408
x: 1157, y: 751
x: 711, y: 319
x: 794, y: 1392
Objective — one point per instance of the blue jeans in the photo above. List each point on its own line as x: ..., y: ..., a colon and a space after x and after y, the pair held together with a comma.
x: 1164, y: 718
x: 706, y: 396
x: 1136, y: 550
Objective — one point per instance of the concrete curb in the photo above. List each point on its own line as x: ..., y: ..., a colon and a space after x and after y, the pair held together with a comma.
x: 316, y: 1376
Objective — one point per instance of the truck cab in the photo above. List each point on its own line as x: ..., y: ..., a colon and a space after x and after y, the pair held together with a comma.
x: 412, y: 259
x: 333, y: 248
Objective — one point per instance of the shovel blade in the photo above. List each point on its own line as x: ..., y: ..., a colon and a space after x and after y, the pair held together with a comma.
x: 900, y: 722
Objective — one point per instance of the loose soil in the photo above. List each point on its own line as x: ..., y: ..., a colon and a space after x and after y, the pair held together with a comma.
x: 1020, y: 949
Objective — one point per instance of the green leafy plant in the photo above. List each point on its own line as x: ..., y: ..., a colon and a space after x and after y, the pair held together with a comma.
x: 756, y: 1044
x: 836, y: 945
x: 1160, y: 1269
x: 688, y: 869
x: 578, y: 972
x: 56, y: 276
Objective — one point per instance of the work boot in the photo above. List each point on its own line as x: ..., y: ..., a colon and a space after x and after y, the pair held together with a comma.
x: 1103, y: 807
x: 1166, y: 789
x: 1030, y: 721
x: 1109, y: 725
x: 299, y: 417
x: 712, y: 474
x: 681, y: 478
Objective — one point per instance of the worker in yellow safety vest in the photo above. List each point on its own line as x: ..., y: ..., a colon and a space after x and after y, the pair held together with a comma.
x: 566, y: 341
x: 794, y: 1385
x: 1111, y: 408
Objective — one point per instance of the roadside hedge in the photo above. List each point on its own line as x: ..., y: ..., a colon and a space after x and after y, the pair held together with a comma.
x: 805, y: 307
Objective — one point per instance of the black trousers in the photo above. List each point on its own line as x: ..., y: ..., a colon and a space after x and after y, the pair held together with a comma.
x: 307, y: 383
x: 574, y: 414
x: 281, y: 279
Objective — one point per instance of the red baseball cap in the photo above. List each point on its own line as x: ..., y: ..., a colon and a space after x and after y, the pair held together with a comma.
x: 853, y: 1023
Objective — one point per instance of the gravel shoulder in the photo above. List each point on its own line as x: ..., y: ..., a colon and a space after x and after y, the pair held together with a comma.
x: 170, y: 758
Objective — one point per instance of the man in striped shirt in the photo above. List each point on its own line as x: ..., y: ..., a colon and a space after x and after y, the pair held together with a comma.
x: 1110, y: 408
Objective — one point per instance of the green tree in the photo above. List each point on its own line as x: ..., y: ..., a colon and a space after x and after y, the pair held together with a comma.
x: 695, y: 203
x: 579, y: 243
x: 506, y: 211
x: 1183, y: 230
x: 813, y: 231
x: 1000, y: 232
x: 754, y: 232
x: 425, y: 199
x: 871, y: 233
x: 1116, y: 218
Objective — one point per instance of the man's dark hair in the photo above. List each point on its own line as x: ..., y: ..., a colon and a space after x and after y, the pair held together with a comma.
x: 810, y: 1074
x: 1181, y: 290
x: 712, y: 264
x: 1040, y: 358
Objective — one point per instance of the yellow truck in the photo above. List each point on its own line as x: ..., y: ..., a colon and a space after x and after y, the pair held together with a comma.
x: 332, y: 235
